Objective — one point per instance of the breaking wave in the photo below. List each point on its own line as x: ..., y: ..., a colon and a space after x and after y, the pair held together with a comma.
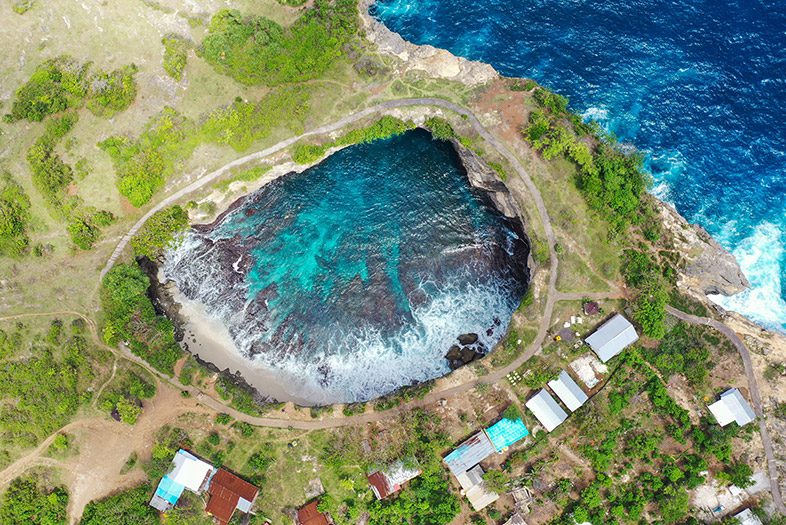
x: 356, y: 276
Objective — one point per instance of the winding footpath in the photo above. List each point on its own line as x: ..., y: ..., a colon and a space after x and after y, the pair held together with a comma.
x: 753, y: 388
x: 552, y: 295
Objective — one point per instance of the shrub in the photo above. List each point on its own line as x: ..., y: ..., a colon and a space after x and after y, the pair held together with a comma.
x: 256, y: 50
x: 83, y: 232
x: 14, y: 217
x: 129, y: 316
x: 175, y: 55
x: 27, y: 501
x: 124, y: 508
x: 159, y: 232
x: 308, y: 153
x: 112, y: 92
x: 50, y: 174
x: 56, y: 85
x: 440, y: 128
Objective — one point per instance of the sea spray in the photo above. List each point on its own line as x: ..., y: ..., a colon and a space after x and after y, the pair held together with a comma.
x: 356, y: 276
x: 698, y: 87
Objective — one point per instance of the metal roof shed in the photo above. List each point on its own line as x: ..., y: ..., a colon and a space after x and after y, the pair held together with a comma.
x: 470, y: 453
x: 732, y: 407
x: 548, y: 412
x: 747, y: 517
x: 506, y: 432
x: 612, y: 337
x: 568, y: 391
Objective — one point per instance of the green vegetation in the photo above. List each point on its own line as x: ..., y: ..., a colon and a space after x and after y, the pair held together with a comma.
x: 129, y: 316
x: 159, y: 232
x: 21, y: 7
x: 385, y: 127
x: 685, y: 350
x: 175, y: 55
x: 111, y: 92
x: 51, y: 176
x: 62, y: 446
x: 247, y: 175
x: 29, y: 501
x: 63, y: 83
x: 14, y: 217
x: 124, y: 398
x: 440, y: 128
x: 144, y: 164
x: 129, y: 507
x: 43, y: 382
x: 256, y: 50
x: 242, y: 123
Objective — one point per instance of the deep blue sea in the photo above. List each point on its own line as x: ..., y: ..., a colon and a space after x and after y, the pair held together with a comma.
x: 698, y: 86
x: 357, y: 275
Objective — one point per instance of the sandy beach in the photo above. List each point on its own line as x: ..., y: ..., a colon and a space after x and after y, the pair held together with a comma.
x: 210, y: 340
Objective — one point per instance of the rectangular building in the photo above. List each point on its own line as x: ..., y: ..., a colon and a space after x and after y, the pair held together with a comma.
x: 546, y: 410
x: 470, y: 453
x: 568, y: 391
x: 732, y: 407
x: 612, y: 337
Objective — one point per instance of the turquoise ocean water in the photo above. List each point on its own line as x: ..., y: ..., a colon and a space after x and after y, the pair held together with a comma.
x: 357, y: 275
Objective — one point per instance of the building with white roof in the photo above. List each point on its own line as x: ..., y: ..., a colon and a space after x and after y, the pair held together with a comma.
x: 612, y: 337
x: 732, y: 407
x: 188, y: 472
x: 747, y: 517
x: 546, y: 410
x: 474, y: 488
x: 568, y: 391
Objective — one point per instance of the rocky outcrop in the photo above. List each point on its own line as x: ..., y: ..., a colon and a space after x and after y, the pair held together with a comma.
x: 438, y: 63
x: 706, y: 266
x: 468, y: 350
x: 481, y: 176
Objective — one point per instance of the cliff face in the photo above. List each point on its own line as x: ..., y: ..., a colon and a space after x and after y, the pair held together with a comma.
x: 435, y: 62
x: 707, y: 267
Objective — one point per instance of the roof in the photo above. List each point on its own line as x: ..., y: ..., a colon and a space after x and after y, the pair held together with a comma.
x: 568, y: 391
x: 612, y: 337
x: 190, y: 471
x: 470, y: 453
x: 506, y: 432
x: 379, y: 484
x: 732, y: 406
x: 310, y: 515
x: 548, y: 412
x: 747, y: 517
x: 226, y: 493
x: 515, y: 519
x: 470, y: 478
x: 480, y: 498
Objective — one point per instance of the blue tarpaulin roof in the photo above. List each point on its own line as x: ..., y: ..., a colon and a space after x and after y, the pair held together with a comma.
x: 506, y: 432
x: 169, y: 490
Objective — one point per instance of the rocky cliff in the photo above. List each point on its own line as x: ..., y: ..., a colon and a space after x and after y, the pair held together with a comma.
x: 706, y: 266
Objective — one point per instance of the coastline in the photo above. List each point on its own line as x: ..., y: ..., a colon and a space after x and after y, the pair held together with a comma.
x: 208, y: 338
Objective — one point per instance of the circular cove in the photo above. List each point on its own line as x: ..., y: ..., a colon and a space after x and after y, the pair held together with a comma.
x: 355, y: 277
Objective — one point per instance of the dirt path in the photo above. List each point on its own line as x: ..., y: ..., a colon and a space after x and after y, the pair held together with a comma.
x: 753, y: 387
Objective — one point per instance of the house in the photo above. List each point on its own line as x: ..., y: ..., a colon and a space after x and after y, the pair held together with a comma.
x: 473, y: 487
x: 546, y: 410
x: 470, y: 453
x: 506, y: 432
x: 732, y: 407
x: 310, y: 515
x: 515, y: 519
x: 747, y: 517
x: 188, y: 472
x: 227, y: 493
x: 612, y: 337
x: 387, y: 482
x: 568, y: 391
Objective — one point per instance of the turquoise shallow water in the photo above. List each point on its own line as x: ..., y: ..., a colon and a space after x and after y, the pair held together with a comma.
x: 357, y: 275
x: 699, y: 86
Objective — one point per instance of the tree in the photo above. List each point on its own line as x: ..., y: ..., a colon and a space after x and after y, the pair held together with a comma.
x: 495, y: 480
x: 129, y: 507
x: 739, y: 474
x: 27, y: 502
x: 159, y: 232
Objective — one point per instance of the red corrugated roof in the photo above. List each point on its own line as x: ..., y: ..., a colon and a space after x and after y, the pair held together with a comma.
x: 380, y: 485
x: 225, y: 491
x: 309, y: 515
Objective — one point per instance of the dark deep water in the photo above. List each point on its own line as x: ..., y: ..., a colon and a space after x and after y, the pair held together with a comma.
x: 357, y: 275
x: 699, y: 86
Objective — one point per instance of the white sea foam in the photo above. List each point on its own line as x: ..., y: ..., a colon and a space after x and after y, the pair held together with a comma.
x: 760, y: 257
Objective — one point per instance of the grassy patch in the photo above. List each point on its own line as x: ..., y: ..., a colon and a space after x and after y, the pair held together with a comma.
x: 175, y: 55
